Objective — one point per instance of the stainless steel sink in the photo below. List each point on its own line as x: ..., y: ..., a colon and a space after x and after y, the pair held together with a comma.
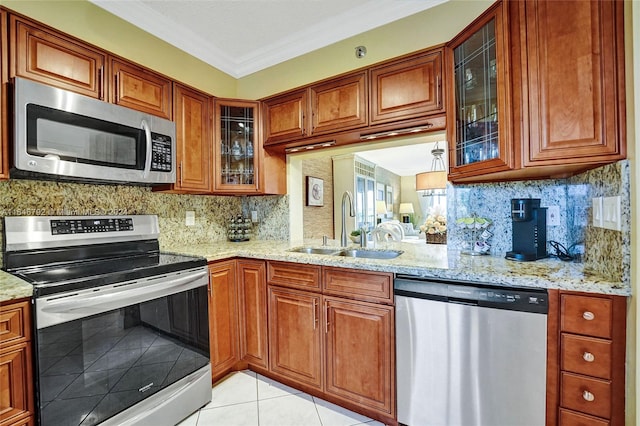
x: 314, y: 250
x: 370, y: 254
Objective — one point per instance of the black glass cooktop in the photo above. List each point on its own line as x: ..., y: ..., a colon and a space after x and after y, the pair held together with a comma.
x: 62, y: 277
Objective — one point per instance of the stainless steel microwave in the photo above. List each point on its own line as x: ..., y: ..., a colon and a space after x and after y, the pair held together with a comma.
x: 65, y: 136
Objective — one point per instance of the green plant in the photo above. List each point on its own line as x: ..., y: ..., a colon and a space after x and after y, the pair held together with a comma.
x: 355, y: 233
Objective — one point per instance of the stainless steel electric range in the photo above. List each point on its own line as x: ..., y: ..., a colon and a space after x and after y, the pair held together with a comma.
x: 121, y: 329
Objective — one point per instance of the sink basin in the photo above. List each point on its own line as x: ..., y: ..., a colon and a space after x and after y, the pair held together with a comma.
x: 371, y: 254
x: 313, y: 250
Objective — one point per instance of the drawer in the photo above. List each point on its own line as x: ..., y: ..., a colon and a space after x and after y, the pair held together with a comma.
x: 364, y: 285
x: 586, y: 355
x: 586, y: 315
x: 571, y: 418
x: 294, y: 275
x: 585, y: 394
x: 14, y: 323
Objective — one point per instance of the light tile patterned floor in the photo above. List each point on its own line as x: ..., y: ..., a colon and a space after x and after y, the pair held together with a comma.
x: 245, y: 398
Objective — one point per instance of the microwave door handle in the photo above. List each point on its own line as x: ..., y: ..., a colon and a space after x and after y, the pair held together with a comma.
x: 147, y: 160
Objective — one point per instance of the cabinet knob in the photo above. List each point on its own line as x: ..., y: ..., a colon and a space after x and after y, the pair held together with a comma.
x: 588, y: 315
x: 588, y: 356
x: 588, y: 396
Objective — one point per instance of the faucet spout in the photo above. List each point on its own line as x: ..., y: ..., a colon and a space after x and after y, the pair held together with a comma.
x: 352, y: 213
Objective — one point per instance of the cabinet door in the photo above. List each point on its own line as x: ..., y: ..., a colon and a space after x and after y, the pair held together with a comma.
x: 478, y: 122
x: 140, y: 89
x: 16, y: 378
x: 574, y: 57
x: 339, y: 104
x: 223, y: 317
x: 408, y: 88
x: 55, y: 59
x: 252, y: 303
x: 236, y: 146
x: 4, y: 107
x: 15, y: 382
x: 294, y: 336
x: 285, y: 117
x: 193, y: 144
x: 360, y: 353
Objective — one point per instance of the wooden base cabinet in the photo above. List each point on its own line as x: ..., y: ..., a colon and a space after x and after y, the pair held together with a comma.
x: 223, y: 317
x: 295, y: 339
x: 360, y: 352
x: 16, y: 377
x: 591, y: 359
x: 332, y: 332
x: 252, y: 308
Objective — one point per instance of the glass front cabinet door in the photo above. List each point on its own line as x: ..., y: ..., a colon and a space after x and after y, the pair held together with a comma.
x: 236, y: 146
x: 478, y: 115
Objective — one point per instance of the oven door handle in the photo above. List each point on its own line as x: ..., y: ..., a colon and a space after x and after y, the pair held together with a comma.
x: 57, y: 309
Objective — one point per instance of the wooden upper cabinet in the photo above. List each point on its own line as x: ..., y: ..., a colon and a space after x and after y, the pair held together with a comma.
x: 192, y: 113
x: 407, y: 88
x: 4, y: 99
x: 479, y: 116
x: 236, y: 149
x: 339, y: 104
x: 140, y: 89
x: 285, y: 117
x: 572, y: 62
x: 55, y: 59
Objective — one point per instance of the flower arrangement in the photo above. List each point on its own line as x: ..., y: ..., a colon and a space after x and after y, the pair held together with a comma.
x: 435, y: 228
x: 435, y: 224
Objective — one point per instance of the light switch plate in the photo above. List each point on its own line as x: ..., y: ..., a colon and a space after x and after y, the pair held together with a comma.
x: 596, y: 211
x: 254, y: 216
x: 611, y: 213
x: 190, y: 218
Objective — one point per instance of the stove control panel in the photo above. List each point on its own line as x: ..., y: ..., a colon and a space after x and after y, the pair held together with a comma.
x: 87, y: 226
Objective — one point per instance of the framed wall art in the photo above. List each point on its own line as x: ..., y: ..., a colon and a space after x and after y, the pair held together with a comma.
x: 315, y: 192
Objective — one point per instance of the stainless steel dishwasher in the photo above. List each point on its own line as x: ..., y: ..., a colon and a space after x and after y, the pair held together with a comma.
x: 469, y: 354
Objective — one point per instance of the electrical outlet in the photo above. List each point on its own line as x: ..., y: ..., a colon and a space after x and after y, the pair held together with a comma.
x: 596, y: 211
x: 190, y: 218
x: 611, y: 213
x: 254, y: 216
x: 553, y: 216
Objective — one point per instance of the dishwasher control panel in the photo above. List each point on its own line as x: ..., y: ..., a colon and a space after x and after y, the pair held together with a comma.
x: 512, y: 298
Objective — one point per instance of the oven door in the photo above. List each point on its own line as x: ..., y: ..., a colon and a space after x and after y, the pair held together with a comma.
x: 103, y: 350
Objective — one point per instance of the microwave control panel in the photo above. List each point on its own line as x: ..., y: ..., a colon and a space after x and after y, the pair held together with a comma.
x: 160, y: 153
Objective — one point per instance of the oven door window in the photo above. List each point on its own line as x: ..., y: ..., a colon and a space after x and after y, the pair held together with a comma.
x: 81, y: 139
x: 92, y: 368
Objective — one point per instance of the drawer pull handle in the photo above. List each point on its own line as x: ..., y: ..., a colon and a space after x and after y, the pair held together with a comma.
x: 588, y: 396
x: 588, y: 356
x: 588, y: 315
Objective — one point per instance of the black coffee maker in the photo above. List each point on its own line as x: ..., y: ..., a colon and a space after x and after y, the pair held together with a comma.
x: 529, y: 239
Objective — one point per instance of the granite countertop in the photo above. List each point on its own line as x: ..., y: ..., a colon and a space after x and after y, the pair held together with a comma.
x: 420, y: 259
x: 425, y: 260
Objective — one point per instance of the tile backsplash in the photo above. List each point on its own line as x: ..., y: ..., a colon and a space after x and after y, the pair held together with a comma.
x: 606, y: 252
x: 31, y: 197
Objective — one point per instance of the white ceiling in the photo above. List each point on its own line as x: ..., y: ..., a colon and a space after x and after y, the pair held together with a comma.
x: 240, y: 37
x: 405, y: 160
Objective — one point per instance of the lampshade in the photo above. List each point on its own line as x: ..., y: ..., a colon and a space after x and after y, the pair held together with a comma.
x: 381, y: 207
x: 406, y: 208
x: 431, y: 180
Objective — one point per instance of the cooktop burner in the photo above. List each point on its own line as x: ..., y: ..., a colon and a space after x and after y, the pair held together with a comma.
x: 87, y: 274
x: 61, y: 254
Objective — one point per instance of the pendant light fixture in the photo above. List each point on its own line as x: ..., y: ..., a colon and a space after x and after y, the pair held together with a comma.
x: 433, y: 182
